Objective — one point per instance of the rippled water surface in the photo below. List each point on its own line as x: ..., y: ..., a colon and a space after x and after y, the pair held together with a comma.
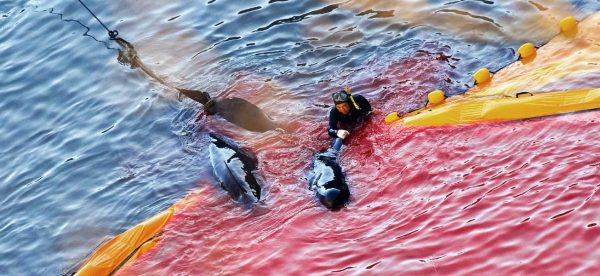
x: 91, y: 147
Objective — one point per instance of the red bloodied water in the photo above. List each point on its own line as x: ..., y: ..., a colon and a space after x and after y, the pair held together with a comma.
x: 494, y: 198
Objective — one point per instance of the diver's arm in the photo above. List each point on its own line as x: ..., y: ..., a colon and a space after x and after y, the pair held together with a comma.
x: 332, y: 131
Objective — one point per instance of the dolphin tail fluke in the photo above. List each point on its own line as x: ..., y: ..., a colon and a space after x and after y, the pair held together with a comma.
x: 124, y: 43
x: 196, y: 95
x: 329, y: 197
x: 128, y: 55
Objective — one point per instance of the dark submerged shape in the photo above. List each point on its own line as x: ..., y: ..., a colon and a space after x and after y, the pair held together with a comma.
x: 327, y: 179
x: 243, y: 114
x: 235, y: 110
x: 196, y: 95
x: 235, y: 169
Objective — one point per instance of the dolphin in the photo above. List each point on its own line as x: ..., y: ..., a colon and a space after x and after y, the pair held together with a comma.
x: 235, y: 170
x: 236, y: 110
x: 327, y: 179
x: 243, y: 114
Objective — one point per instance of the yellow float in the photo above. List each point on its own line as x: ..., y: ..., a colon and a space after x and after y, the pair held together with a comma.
x: 527, y: 50
x: 482, y: 76
x: 392, y: 117
x: 568, y: 25
x: 436, y: 97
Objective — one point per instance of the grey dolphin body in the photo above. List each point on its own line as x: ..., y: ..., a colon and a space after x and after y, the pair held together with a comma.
x: 327, y: 179
x: 235, y: 110
x: 243, y: 114
x: 235, y: 170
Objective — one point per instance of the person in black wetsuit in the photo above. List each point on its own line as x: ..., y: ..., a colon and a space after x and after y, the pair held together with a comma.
x: 348, y: 111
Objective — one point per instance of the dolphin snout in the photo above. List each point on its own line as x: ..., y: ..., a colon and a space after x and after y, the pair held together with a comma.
x: 332, y: 198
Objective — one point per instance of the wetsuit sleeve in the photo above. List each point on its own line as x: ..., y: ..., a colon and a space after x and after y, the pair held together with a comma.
x: 365, y: 106
x: 333, y: 121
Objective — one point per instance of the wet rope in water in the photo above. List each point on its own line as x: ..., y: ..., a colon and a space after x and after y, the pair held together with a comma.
x: 112, y: 34
x: 128, y: 55
x: 253, y: 118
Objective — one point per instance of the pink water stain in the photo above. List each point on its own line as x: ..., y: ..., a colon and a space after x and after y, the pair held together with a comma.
x: 494, y: 198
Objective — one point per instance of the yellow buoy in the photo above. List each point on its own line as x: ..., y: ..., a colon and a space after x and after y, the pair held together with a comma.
x: 568, y: 25
x: 392, y: 117
x: 436, y: 97
x: 482, y: 76
x: 527, y: 50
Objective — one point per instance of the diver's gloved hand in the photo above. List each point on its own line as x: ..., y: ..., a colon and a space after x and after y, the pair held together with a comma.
x: 342, y: 133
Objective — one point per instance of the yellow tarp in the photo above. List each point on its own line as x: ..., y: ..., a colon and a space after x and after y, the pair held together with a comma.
x: 469, y: 110
x: 118, y: 250
x: 566, y: 63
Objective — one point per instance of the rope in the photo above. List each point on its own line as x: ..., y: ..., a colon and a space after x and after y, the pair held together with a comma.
x: 112, y: 34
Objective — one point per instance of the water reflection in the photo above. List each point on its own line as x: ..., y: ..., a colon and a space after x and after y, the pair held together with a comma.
x: 133, y: 146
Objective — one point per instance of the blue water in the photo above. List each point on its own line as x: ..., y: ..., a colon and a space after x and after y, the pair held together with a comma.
x: 91, y: 147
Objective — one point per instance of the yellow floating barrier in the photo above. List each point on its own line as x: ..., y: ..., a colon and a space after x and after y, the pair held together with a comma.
x: 482, y: 76
x: 126, y: 246
x: 523, y: 106
x: 527, y: 50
